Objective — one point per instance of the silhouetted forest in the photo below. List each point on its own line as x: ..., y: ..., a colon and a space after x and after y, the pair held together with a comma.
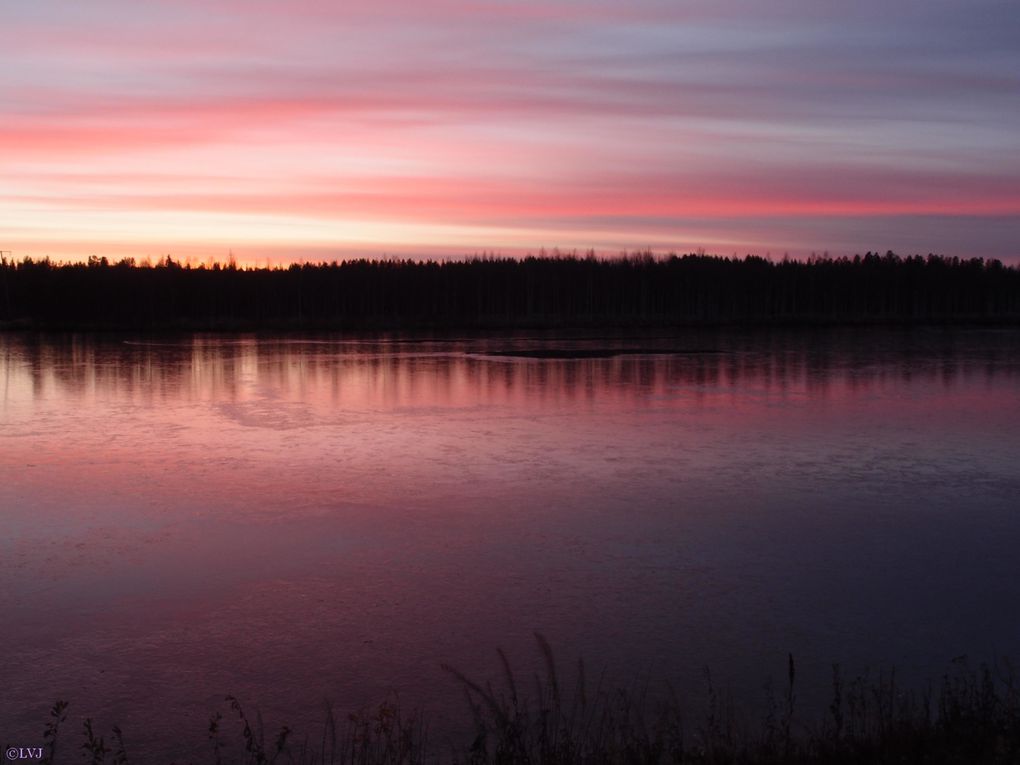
x: 633, y: 290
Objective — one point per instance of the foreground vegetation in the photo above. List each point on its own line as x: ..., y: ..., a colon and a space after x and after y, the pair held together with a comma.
x: 554, y: 290
x: 970, y: 716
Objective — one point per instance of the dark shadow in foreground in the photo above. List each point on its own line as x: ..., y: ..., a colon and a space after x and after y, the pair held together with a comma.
x: 971, y: 716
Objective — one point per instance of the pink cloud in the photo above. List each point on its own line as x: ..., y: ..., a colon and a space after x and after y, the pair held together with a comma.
x: 523, y: 119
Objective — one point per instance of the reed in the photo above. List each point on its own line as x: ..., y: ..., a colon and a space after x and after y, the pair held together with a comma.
x: 971, y: 715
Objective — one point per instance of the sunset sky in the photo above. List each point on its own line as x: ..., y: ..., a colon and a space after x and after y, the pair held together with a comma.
x: 320, y: 130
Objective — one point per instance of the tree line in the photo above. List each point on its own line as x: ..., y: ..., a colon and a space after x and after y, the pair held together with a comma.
x: 635, y: 289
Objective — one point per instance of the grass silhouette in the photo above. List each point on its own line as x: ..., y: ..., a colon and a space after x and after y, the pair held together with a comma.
x: 971, y: 716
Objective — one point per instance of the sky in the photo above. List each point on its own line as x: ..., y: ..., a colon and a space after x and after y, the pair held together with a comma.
x: 296, y: 130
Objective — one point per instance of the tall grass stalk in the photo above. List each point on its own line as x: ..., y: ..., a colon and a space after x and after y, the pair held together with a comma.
x: 972, y: 716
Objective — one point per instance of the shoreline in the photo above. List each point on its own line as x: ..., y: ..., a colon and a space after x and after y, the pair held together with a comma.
x: 970, y: 715
x: 615, y: 328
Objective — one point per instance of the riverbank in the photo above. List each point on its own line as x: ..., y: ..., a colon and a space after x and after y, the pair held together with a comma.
x: 971, y: 715
x: 634, y: 291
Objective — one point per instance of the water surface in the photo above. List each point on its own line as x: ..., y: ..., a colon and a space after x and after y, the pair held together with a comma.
x: 297, y: 519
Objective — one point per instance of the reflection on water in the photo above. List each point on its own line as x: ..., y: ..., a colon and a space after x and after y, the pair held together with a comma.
x: 290, y: 519
x: 394, y: 372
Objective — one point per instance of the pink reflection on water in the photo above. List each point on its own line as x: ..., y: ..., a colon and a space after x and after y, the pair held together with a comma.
x: 288, y: 520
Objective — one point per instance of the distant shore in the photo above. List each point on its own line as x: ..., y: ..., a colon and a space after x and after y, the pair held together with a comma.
x: 636, y: 291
